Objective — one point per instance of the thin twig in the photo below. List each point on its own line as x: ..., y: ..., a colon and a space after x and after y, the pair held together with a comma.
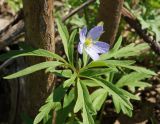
x: 6, y: 63
x: 10, y: 37
x: 12, y: 34
x: 73, y: 12
x: 16, y: 19
x: 128, y: 16
x: 135, y: 24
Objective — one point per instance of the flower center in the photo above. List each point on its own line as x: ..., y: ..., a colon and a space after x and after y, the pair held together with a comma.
x: 88, y: 41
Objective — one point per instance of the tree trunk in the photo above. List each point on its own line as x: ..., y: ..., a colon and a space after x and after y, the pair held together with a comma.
x: 38, y: 18
x: 110, y: 14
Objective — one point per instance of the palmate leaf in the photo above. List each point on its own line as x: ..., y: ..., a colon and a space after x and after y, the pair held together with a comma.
x: 119, y: 106
x: 127, y: 51
x: 119, y: 63
x: 139, y: 84
x: 129, y: 95
x: 132, y: 80
x: 53, y: 102
x: 34, y: 68
x: 84, y: 101
x: 114, y: 91
x: 87, y: 117
x: 120, y: 96
x: 126, y: 110
x: 131, y: 50
x: 62, y: 29
x: 45, y: 111
x: 30, y: 52
x: 141, y: 70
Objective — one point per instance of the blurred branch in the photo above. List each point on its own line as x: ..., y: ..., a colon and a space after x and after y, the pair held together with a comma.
x: 6, y: 63
x: 135, y: 24
x: 10, y: 33
x: 16, y: 19
x: 73, y: 12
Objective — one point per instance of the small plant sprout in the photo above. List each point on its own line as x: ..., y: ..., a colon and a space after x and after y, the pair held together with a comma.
x: 89, y: 42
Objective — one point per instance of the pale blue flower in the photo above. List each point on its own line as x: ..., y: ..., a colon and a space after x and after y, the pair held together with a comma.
x: 89, y: 42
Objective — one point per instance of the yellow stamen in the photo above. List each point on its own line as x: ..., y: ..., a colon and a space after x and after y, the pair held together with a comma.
x: 88, y: 41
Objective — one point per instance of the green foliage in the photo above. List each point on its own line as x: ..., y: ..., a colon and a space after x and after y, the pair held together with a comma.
x: 98, y: 98
x: 132, y: 80
x: 72, y: 100
x: 154, y: 3
x: 44, y: 111
x: 15, y: 4
x: 84, y: 103
x: 64, y: 35
x: 127, y: 51
x: 71, y: 46
x: 31, y: 52
x: 147, y: 12
x: 34, y: 68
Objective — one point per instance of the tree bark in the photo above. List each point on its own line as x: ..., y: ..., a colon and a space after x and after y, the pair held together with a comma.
x: 110, y: 14
x: 38, y: 18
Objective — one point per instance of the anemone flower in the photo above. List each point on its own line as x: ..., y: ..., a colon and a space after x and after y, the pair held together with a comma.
x: 89, y: 42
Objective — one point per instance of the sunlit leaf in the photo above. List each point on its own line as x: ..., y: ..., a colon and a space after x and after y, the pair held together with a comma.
x: 114, y: 91
x: 109, y: 63
x: 62, y: 29
x: 30, y: 52
x: 131, y: 78
x: 61, y: 73
x: 71, y: 46
x: 97, y: 71
x: 98, y: 98
x: 34, y: 68
x: 127, y: 51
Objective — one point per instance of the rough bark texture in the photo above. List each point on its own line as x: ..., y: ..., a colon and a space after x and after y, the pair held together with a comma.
x: 39, y: 28
x: 110, y: 14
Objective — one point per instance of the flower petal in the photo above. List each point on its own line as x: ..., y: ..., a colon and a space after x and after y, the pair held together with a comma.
x: 82, y: 34
x: 92, y: 53
x: 101, y: 47
x: 80, y: 47
x: 95, y: 32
